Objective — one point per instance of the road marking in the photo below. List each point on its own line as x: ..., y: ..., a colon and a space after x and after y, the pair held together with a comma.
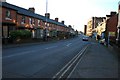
x: 51, y: 47
x: 21, y: 53
x: 69, y: 64
x: 77, y: 62
x: 68, y: 44
x: 27, y: 52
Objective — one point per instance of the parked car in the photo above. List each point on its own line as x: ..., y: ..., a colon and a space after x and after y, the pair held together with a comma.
x: 85, y: 38
x: 102, y: 41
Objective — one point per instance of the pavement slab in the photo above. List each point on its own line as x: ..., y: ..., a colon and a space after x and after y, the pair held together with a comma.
x: 98, y: 62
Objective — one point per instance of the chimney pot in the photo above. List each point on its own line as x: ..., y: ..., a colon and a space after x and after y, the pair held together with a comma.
x: 32, y: 9
x: 62, y: 22
x: 56, y: 19
x: 113, y: 13
x: 47, y: 15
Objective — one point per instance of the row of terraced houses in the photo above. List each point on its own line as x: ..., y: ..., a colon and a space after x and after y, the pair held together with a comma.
x: 17, y: 18
x: 105, y: 28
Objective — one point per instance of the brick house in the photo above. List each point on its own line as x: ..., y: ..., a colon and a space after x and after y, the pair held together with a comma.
x: 8, y: 21
x: 118, y: 26
x: 111, y: 27
x: 15, y: 18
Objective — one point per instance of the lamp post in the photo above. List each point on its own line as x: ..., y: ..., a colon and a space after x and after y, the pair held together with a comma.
x: 45, y: 30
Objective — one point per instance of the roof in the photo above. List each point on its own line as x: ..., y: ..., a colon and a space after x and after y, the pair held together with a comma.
x: 26, y: 12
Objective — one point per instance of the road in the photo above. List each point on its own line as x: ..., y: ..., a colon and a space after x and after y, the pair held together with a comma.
x: 53, y: 60
x: 40, y: 61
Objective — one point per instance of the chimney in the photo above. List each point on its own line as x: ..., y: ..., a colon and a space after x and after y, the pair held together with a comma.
x: 47, y: 15
x: 113, y: 13
x: 32, y: 9
x: 56, y: 19
x: 69, y: 26
x: 62, y: 22
x: 108, y: 16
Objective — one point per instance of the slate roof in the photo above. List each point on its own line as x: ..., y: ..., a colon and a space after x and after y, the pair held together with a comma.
x: 26, y: 12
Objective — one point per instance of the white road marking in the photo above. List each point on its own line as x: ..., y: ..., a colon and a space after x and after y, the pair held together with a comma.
x: 68, y: 44
x: 27, y: 52
x: 21, y: 53
x: 51, y: 47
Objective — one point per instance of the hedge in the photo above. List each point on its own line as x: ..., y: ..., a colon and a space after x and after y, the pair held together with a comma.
x: 23, y: 34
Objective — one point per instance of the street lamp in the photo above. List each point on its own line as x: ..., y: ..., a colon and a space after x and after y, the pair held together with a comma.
x: 45, y: 31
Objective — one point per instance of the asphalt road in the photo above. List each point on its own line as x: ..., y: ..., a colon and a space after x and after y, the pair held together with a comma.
x: 41, y: 60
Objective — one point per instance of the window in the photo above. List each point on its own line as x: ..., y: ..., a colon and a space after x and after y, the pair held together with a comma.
x: 30, y: 20
x: 8, y: 14
x: 39, y: 22
x: 23, y: 20
x: 33, y: 21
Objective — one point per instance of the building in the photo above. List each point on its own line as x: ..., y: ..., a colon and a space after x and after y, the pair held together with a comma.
x: 100, y: 30
x: 89, y: 27
x: 85, y: 29
x: 92, y: 24
x: 118, y: 26
x: 17, y: 18
x: 98, y: 23
x: 111, y: 27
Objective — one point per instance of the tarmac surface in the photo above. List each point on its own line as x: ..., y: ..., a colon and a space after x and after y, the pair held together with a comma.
x: 99, y: 61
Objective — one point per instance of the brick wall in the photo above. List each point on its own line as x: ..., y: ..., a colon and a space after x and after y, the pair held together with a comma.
x: 12, y: 13
x: 112, y: 27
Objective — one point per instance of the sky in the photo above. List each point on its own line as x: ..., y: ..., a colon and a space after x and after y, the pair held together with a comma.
x: 74, y: 12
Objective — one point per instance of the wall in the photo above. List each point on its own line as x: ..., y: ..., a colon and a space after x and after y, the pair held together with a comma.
x: 112, y: 27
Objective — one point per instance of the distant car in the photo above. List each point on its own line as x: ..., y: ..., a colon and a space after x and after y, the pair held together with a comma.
x: 102, y: 41
x: 85, y: 38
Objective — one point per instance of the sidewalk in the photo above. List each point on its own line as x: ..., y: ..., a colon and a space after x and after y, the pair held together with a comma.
x: 113, y: 47
x: 98, y: 62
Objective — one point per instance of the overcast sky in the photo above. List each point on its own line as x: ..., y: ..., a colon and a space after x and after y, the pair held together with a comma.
x: 73, y: 12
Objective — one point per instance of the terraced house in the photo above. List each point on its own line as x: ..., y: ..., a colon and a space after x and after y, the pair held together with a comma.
x: 17, y: 18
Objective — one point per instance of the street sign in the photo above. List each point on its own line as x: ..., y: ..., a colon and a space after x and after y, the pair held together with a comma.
x: 111, y: 33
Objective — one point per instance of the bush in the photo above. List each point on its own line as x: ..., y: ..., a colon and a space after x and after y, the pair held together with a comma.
x: 23, y: 34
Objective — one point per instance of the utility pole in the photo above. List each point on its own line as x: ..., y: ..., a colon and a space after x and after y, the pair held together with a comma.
x: 46, y: 6
x: 45, y: 31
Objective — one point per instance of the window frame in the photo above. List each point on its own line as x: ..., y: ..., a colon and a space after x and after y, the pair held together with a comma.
x: 8, y: 14
x: 23, y: 20
x: 30, y: 20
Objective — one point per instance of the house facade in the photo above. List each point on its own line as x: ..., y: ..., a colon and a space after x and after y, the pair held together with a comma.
x: 111, y: 28
x: 118, y: 26
x: 17, y: 18
x: 89, y: 27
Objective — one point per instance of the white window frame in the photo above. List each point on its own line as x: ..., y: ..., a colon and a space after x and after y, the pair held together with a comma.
x: 23, y: 20
x: 8, y: 15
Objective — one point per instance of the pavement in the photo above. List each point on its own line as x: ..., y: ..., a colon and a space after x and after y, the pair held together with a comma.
x: 99, y: 61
